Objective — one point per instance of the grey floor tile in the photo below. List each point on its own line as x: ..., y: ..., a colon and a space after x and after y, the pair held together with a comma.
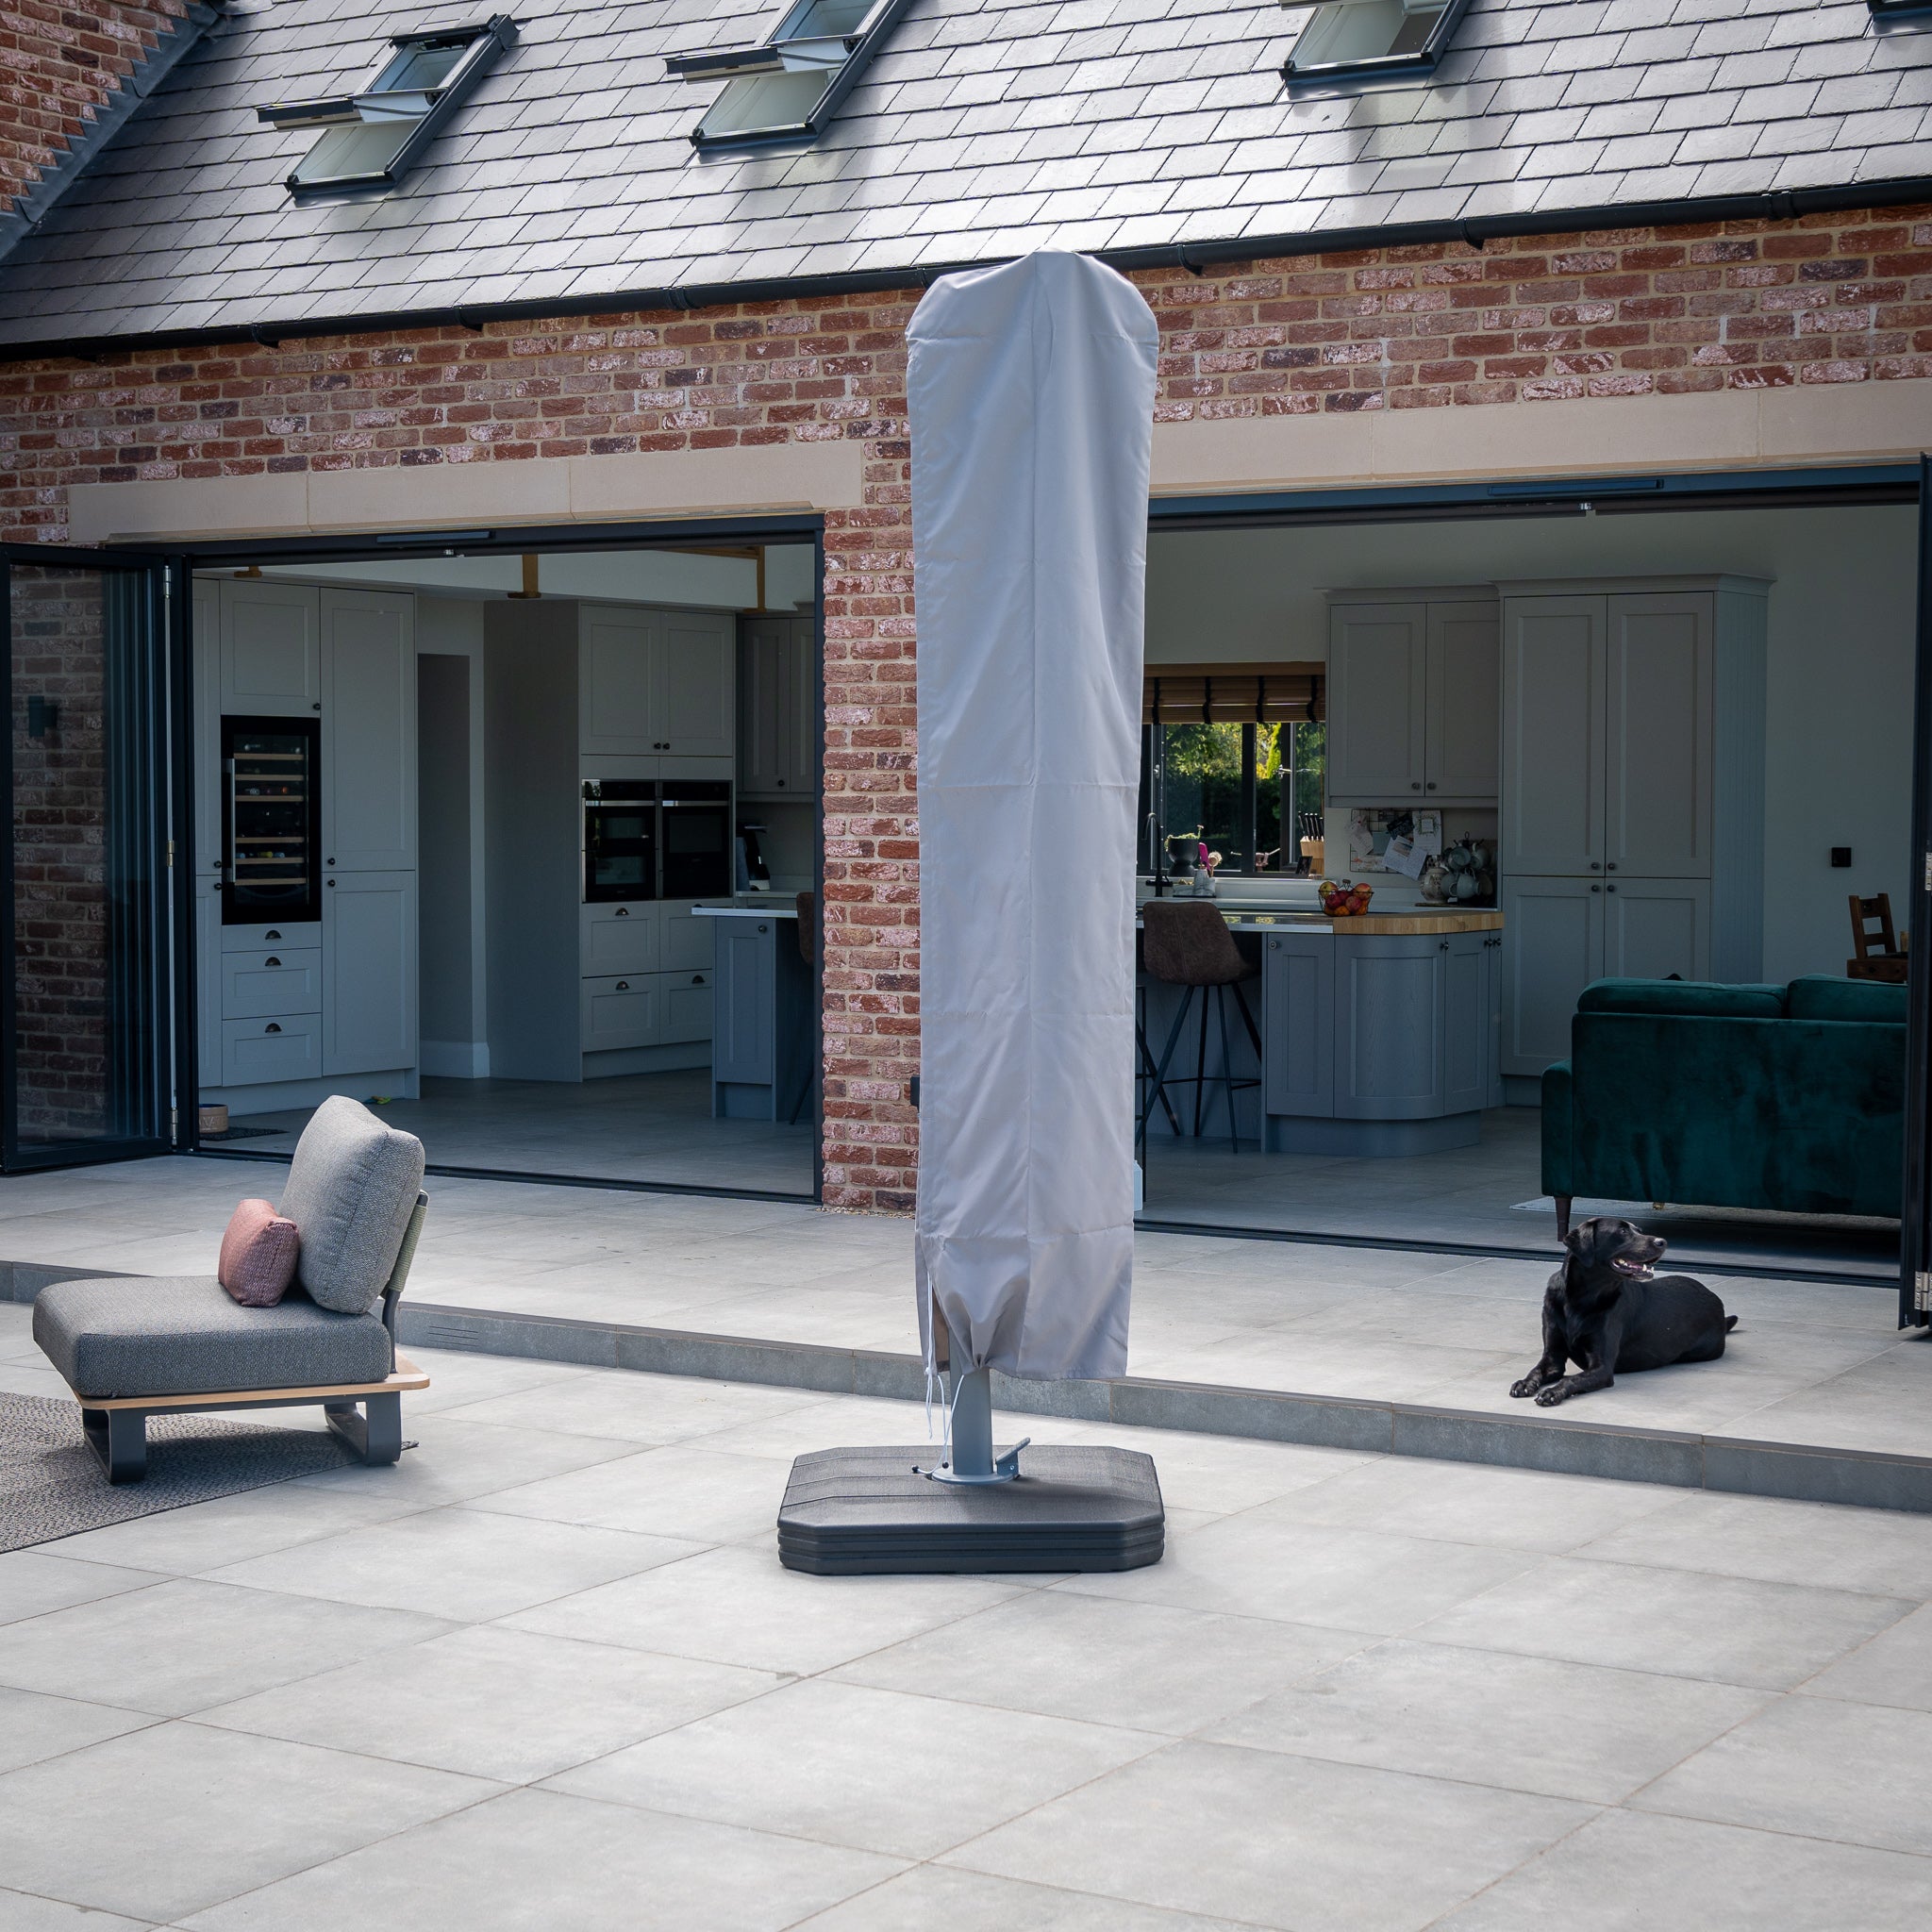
x: 1262, y: 1563
x: 701, y: 1495
x: 1815, y: 1767
x: 1885, y: 1551
x: 1518, y: 1722
x: 1275, y: 1840
x: 1143, y: 1666
x: 845, y: 1765
x: 1896, y: 1668
x: 33, y: 1725
x: 976, y: 1902
x: 165, y: 1821
x: 456, y: 1378
x: 456, y: 1461
x: 1462, y: 1502
x: 1626, y: 1872
x: 1767, y: 1635
x: 500, y: 1704
x: 622, y: 1407
x: 468, y: 1564
x: 510, y: 1866
x: 190, y: 1642
x: 21, y: 1912
x: 741, y: 1605
x: 32, y: 1582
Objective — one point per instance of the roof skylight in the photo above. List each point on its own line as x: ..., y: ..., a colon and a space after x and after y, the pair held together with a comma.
x: 371, y: 139
x: 1913, y: 14
x: 789, y: 87
x: 1372, y: 40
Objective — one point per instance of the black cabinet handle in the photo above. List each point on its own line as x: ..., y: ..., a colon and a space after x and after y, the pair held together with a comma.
x: 271, y: 960
x: 1442, y: 946
x: 271, y: 934
x: 331, y: 861
x: 697, y: 979
x: 330, y: 884
x: 1611, y: 866
x: 1432, y: 784
x: 272, y: 1028
x: 1415, y: 783
x: 781, y: 784
x: 315, y: 707
x: 1596, y: 888
x: 622, y: 912
x: 1609, y: 889
x: 1595, y: 866
x: 624, y: 986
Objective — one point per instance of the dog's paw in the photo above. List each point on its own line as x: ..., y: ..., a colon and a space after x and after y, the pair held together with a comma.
x: 1548, y: 1398
x: 1528, y: 1386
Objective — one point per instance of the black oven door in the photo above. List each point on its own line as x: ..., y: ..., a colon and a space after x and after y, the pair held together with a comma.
x: 620, y: 841
x: 698, y: 851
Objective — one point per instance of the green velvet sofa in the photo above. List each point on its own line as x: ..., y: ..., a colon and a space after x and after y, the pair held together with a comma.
x: 1787, y: 1097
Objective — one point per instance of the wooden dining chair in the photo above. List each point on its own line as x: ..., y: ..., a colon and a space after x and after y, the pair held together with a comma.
x: 1875, y: 955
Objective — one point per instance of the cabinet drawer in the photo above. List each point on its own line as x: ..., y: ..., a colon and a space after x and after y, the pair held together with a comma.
x: 686, y: 1007
x: 262, y: 986
x: 270, y: 938
x: 619, y: 939
x: 288, y: 1048
x: 623, y: 1011
x: 687, y: 944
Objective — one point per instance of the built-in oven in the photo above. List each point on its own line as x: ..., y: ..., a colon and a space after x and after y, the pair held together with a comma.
x: 697, y: 847
x: 620, y: 839
x: 271, y: 824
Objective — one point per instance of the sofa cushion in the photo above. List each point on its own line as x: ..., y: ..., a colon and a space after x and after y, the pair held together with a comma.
x: 1697, y: 998
x: 181, y: 1335
x: 352, y: 1188
x: 1822, y: 996
x: 258, y: 1258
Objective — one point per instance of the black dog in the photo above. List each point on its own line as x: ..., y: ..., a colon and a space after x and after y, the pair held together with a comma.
x: 1607, y: 1312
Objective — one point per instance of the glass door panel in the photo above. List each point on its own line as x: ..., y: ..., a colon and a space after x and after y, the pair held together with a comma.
x: 83, y: 885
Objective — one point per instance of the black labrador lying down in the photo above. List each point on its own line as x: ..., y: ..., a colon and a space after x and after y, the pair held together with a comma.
x: 1607, y: 1311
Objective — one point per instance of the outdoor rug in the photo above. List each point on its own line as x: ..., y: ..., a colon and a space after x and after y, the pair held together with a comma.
x: 52, y: 1486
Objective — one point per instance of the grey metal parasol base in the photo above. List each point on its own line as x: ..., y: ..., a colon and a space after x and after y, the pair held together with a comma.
x: 868, y: 1512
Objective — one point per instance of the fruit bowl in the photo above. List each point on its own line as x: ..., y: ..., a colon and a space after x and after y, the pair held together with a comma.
x: 1347, y: 900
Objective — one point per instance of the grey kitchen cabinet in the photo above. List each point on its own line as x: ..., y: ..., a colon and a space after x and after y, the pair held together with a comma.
x: 687, y: 1004
x: 1658, y: 791
x: 263, y: 984
x: 619, y: 1013
x: 1298, y: 1024
x: 369, y: 972
x: 1555, y: 649
x: 619, y: 939
x: 288, y: 1047
x: 656, y: 681
x: 778, y: 708
x: 1653, y: 928
x: 1412, y: 697
x: 760, y: 1020
x: 270, y: 934
x: 1553, y: 947
x: 1390, y: 1028
x: 1494, y: 992
x: 269, y: 648
x: 1468, y: 1040
x: 368, y: 731
x: 688, y: 941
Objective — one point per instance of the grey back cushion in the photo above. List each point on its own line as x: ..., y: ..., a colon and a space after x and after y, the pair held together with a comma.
x: 351, y: 1191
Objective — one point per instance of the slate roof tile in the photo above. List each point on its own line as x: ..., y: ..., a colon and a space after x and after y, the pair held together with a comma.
x: 982, y: 128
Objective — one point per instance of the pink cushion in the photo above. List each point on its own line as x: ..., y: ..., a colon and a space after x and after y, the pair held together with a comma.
x: 257, y: 1256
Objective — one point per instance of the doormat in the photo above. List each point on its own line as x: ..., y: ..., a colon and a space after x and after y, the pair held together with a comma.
x: 52, y: 1485
x: 242, y: 1133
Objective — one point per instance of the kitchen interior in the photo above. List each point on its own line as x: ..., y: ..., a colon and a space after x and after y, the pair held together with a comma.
x: 520, y: 849
x: 1562, y: 744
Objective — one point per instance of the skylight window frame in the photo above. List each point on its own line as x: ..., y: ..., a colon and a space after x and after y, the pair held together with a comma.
x: 1901, y: 16
x: 1341, y: 75
x: 425, y: 111
x: 779, y: 54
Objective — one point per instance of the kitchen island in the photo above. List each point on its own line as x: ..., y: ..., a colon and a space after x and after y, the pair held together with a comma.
x: 1381, y: 1034
x: 761, y: 1043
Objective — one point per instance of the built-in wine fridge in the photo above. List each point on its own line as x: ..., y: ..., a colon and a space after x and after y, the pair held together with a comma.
x: 271, y: 836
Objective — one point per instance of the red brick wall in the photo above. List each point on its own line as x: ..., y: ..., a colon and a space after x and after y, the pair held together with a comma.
x: 60, y: 63
x: 1844, y: 298
x: 59, y: 893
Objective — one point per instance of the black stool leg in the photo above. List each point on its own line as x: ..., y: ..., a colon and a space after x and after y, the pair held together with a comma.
x: 1234, y: 1144
x: 377, y: 1437
x: 1200, y: 1061
x: 118, y: 1438
x: 1159, y: 1093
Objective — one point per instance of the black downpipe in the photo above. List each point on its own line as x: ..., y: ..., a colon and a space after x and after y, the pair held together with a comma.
x: 1915, y: 1235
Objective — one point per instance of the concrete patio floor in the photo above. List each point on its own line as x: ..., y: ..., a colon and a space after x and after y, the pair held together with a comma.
x: 548, y: 1672
x: 1813, y: 1361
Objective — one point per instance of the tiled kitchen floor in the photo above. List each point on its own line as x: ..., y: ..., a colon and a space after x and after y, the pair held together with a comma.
x: 1813, y: 1361
x: 548, y: 1672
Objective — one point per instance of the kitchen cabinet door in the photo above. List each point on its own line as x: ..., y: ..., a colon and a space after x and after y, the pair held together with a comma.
x: 1389, y: 1020
x: 285, y: 1048
x: 206, y: 619
x: 1298, y: 1024
x: 1655, y: 927
x: 262, y: 986
x: 1553, y: 947
x: 686, y: 1004
x: 1658, y: 763
x: 1378, y: 692
x: 619, y: 939
x: 765, y: 701
x: 744, y: 1040
x: 368, y: 731
x: 694, y: 714
x: 1494, y: 993
x: 1468, y: 1044
x: 369, y: 972
x: 621, y: 1012
x: 271, y: 648
x: 1552, y: 735
x: 689, y: 942
x: 617, y: 669
x: 1463, y: 744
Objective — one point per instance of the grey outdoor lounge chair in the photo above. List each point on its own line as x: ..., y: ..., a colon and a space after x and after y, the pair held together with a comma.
x: 131, y: 1346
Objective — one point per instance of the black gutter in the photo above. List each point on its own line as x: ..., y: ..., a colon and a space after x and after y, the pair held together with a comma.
x: 1196, y: 257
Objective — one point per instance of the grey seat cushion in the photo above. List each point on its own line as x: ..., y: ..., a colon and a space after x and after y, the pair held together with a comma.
x: 352, y: 1188
x: 181, y: 1335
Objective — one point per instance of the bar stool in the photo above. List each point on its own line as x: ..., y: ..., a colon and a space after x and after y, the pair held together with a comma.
x: 809, y: 951
x: 1189, y: 945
